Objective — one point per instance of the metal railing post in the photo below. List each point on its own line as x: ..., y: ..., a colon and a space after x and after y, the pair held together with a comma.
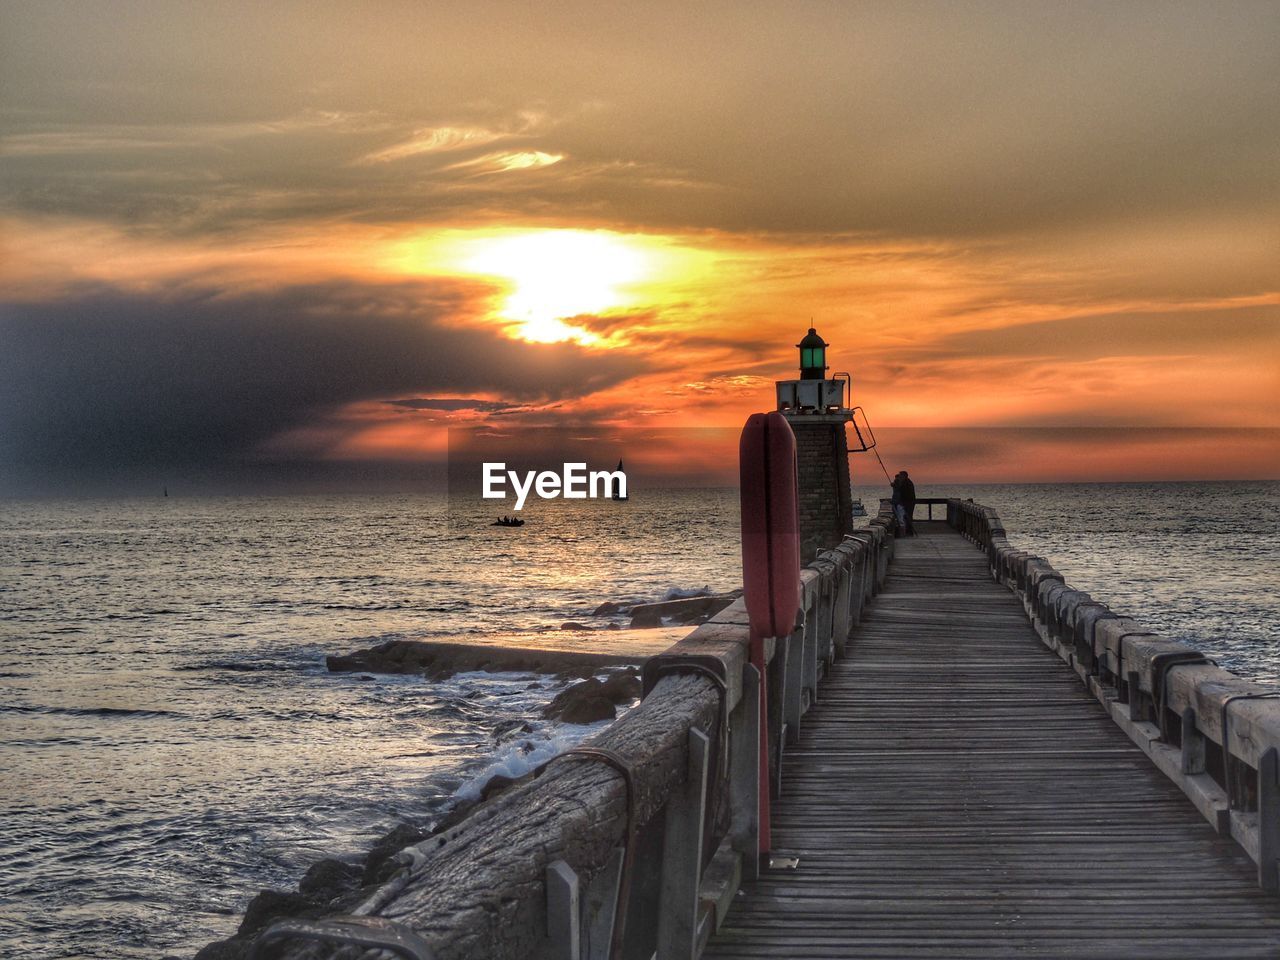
x: 744, y: 774
x: 564, y: 912
x: 682, y: 857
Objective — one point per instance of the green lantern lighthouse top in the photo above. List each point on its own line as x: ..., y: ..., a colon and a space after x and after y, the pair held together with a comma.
x: 813, y: 356
x: 814, y: 394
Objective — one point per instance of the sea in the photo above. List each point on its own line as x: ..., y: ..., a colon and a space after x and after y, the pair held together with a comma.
x: 171, y: 742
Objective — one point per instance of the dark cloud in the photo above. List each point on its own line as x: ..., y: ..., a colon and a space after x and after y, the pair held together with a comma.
x: 110, y: 379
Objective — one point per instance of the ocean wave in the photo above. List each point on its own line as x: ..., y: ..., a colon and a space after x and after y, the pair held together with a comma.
x: 522, y: 755
x: 448, y: 708
x: 246, y: 666
x: 90, y: 711
x: 367, y: 606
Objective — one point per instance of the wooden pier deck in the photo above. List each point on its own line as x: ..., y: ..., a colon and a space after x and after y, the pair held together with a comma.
x: 958, y: 793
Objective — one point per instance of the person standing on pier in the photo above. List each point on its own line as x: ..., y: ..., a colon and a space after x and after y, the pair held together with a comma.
x: 907, y: 493
x: 904, y: 503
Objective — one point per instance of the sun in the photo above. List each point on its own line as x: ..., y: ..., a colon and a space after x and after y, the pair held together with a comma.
x: 551, y: 276
x: 559, y: 274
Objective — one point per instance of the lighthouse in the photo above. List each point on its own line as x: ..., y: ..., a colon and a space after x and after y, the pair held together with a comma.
x: 818, y: 407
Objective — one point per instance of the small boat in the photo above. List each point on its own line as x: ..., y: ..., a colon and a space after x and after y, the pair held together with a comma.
x: 858, y: 509
x: 507, y: 522
x: 617, y: 494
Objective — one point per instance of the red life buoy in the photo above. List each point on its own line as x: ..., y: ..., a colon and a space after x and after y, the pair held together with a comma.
x: 770, y: 524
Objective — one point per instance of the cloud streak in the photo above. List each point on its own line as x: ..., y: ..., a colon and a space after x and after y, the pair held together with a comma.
x: 433, y: 140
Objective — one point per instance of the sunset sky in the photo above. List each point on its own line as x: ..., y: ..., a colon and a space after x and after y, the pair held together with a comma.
x: 293, y: 243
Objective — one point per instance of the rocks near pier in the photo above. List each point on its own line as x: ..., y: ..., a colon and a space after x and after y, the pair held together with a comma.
x: 685, y: 610
x: 575, y: 649
x: 326, y: 880
x: 682, y: 610
x: 593, y: 700
x: 329, y: 886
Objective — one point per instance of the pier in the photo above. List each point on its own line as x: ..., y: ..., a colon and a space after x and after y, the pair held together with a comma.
x: 964, y: 757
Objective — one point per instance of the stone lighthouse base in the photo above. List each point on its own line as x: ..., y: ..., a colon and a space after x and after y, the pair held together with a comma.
x: 826, y: 500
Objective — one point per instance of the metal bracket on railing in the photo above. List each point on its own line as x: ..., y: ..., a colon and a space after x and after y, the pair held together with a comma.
x: 348, y: 931
x: 662, y: 667
x: 1095, y: 660
x: 1161, y: 664
x: 1226, y: 746
x: 666, y: 667
x: 618, y: 763
x: 1119, y: 672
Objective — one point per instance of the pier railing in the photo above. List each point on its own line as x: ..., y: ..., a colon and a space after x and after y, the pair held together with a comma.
x: 634, y: 844
x: 1217, y: 736
x: 929, y: 503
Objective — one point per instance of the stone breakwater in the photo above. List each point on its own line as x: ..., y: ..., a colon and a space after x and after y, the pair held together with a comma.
x: 576, y: 649
x: 436, y: 660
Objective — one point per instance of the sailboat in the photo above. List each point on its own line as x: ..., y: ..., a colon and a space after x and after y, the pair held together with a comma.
x: 618, y: 488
